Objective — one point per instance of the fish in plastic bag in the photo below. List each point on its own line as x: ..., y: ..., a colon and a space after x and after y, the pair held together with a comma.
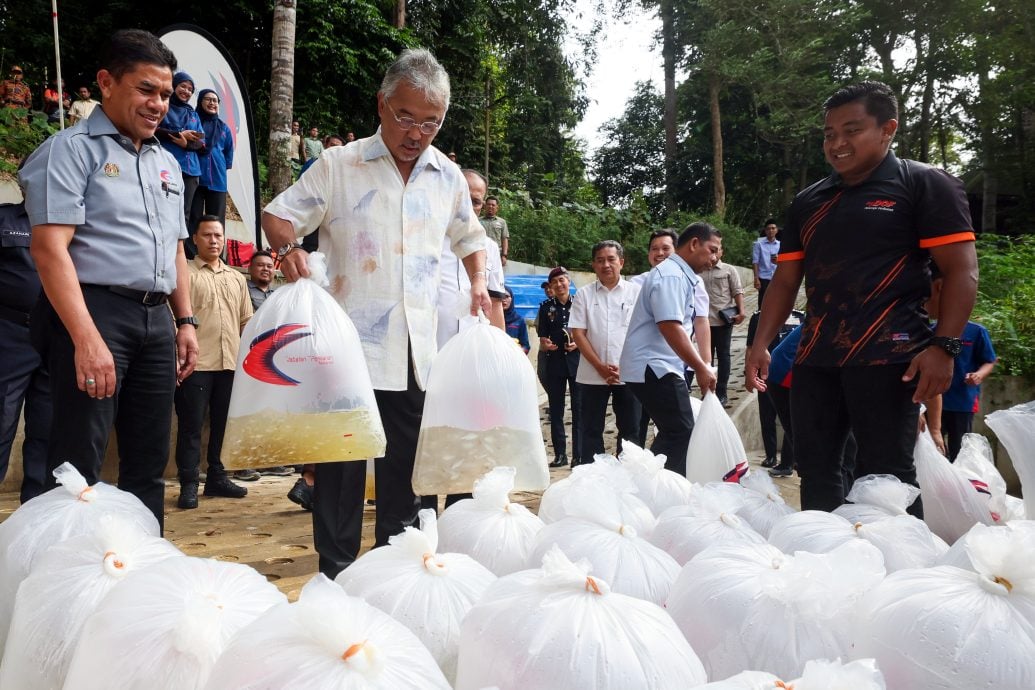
x: 750, y: 606
x: 481, y: 411
x: 490, y: 528
x: 326, y: 640
x: 560, y: 628
x: 164, y: 627
x: 427, y: 591
x: 715, y: 453
x: 64, y: 588
x: 302, y: 391
x: 48, y: 519
x: 945, y: 628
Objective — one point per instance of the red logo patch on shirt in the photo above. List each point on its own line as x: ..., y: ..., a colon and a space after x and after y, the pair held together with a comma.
x: 880, y: 205
x: 166, y: 176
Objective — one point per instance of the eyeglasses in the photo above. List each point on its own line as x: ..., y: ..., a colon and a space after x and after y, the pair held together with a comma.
x: 407, y: 123
x: 210, y: 99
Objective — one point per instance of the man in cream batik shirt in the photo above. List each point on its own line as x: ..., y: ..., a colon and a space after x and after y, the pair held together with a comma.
x: 383, y: 206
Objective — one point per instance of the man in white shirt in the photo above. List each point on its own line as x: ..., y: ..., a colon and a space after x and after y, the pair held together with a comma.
x: 598, y: 322
x: 383, y: 206
x: 657, y: 343
x: 82, y: 108
x: 454, y: 277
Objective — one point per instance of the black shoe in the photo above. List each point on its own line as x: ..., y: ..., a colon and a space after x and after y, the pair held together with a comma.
x: 724, y: 401
x: 302, y: 494
x: 781, y: 472
x: 559, y: 461
x: 246, y: 476
x: 222, y: 486
x: 279, y: 471
x: 769, y: 462
x: 188, y: 496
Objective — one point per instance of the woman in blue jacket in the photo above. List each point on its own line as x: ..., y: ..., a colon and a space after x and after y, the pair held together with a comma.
x: 215, y: 159
x: 180, y: 133
x: 516, y: 326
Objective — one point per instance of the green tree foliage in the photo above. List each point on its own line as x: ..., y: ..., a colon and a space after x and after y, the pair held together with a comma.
x: 1006, y: 301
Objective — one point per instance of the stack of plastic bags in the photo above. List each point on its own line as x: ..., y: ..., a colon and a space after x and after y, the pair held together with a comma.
x: 164, y: 628
x: 605, y: 475
x: 73, y: 509
x: 904, y: 541
x: 490, y: 528
x: 561, y: 628
x: 944, y: 628
x: 326, y: 640
x: 877, y: 496
x: 64, y: 588
x: 428, y: 592
x: 750, y: 606
x: 1015, y: 428
x: 595, y: 529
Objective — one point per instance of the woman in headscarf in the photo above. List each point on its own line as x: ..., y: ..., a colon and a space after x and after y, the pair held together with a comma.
x: 180, y: 133
x: 214, y: 159
x: 516, y: 326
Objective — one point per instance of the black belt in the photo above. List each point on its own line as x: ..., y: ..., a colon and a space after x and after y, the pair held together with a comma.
x: 14, y: 315
x: 150, y: 299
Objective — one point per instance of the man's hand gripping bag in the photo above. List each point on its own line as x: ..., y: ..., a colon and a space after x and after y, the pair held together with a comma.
x: 302, y: 390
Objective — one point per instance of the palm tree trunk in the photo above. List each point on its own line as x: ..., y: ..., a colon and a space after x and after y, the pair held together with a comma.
x: 716, y: 114
x: 282, y: 95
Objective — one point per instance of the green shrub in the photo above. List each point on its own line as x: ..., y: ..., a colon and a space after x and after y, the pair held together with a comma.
x: 21, y: 132
x: 1006, y: 301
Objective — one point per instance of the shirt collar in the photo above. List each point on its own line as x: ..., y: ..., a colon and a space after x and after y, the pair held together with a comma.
x: 374, y: 147
x: 99, y: 125
x: 684, y: 267
x: 202, y: 265
x: 887, y: 170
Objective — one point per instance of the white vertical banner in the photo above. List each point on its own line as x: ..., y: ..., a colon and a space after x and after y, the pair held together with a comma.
x: 203, y: 57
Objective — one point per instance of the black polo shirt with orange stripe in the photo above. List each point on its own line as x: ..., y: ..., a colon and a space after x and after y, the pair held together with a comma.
x: 866, y: 260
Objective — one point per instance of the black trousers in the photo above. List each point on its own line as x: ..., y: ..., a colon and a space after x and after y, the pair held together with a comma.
x: 201, y: 392
x: 340, y: 486
x: 594, y: 412
x: 142, y: 341
x: 954, y: 425
x: 763, y: 285
x: 206, y: 202
x: 780, y: 398
x: 190, y: 188
x: 722, y: 337
x: 560, y: 377
x: 667, y: 401
x: 870, y: 401
x: 767, y: 420
x: 24, y: 382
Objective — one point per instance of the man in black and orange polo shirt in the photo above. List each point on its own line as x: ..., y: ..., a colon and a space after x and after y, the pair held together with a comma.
x: 862, y: 240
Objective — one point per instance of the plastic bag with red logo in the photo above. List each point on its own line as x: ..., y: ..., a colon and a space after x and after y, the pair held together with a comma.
x: 715, y: 453
x: 481, y: 412
x: 302, y: 391
x: 953, y: 501
x: 73, y: 509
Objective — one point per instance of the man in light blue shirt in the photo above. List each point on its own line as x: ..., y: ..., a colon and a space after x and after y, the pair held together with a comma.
x: 657, y: 344
x: 763, y: 258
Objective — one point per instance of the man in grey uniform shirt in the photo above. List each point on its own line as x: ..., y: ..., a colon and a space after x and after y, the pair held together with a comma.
x: 105, y: 202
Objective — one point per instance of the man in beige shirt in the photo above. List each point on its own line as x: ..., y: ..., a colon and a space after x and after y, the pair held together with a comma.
x: 725, y: 310
x: 223, y: 307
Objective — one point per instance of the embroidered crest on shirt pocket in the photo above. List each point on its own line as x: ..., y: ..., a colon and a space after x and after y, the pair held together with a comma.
x: 111, y: 170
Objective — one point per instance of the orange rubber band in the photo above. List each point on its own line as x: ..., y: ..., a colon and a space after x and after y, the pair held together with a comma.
x: 591, y: 585
x: 1004, y: 582
x: 83, y: 493
x: 351, y: 651
x: 431, y: 556
x: 117, y: 563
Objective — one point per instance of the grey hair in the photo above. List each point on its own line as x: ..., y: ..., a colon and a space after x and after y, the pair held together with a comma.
x: 419, y: 68
x: 608, y: 244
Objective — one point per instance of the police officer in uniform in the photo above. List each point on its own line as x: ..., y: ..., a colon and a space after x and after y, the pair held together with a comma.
x: 23, y: 377
x: 562, y: 363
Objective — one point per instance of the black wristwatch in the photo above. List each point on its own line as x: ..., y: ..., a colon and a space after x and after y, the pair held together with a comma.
x: 187, y: 321
x: 951, y: 345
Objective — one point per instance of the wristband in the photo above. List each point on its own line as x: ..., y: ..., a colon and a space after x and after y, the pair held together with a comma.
x: 478, y: 273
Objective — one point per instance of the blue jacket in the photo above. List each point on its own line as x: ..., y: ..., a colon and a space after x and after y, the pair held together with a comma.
x: 218, y: 155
